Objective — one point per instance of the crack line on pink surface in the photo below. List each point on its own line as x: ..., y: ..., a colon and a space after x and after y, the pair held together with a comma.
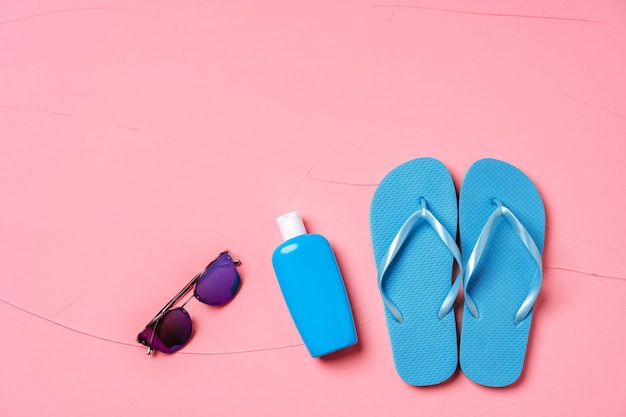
x: 47, y: 320
x: 92, y: 119
x: 559, y: 93
x: 137, y: 345
x: 95, y: 283
x: 470, y: 12
x: 570, y: 249
x: 370, y: 318
x: 567, y: 96
x: 586, y: 103
x: 305, y: 177
x: 342, y: 182
x: 308, y: 176
x: 74, y: 10
x: 590, y: 274
x: 320, y: 159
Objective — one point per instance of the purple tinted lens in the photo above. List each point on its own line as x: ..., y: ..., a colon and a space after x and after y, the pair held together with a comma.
x: 171, y: 332
x: 219, y: 283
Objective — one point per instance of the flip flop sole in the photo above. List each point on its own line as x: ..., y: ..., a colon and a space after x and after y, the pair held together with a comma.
x: 418, y: 280
x: 493, y: 348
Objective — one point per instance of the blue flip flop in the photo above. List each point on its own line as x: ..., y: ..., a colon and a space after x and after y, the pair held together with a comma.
x: 413, y: 222
x: 501, y: 226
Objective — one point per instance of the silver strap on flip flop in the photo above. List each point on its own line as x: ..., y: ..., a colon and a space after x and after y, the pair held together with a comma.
x: 396, y: 245
x: 479, y: 248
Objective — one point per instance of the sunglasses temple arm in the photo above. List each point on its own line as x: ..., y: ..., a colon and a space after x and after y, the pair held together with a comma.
x: 175, y: 299
x: 187, y: 287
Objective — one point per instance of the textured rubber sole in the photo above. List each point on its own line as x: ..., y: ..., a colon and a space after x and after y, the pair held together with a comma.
x: 493, y: 348
x: 419, y: 279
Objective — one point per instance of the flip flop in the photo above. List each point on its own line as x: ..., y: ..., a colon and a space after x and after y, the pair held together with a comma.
x: 502, y: 226
x: 413, y: 222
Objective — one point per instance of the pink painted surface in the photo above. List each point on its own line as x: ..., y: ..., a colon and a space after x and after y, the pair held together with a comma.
x: 137, y: 140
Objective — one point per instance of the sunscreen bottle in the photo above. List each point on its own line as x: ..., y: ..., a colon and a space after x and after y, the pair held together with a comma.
x: 313, y: 289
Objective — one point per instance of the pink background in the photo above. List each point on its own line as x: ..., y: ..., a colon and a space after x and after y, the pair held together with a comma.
x: 139, y: 139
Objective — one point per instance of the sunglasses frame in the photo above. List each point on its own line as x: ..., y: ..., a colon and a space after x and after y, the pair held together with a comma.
x: 155, y: 320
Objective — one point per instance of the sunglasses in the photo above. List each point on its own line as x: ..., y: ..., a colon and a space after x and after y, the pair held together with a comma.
x: 171, y: 329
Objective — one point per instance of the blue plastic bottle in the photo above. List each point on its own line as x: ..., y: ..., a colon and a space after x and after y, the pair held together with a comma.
x: 313, y: 289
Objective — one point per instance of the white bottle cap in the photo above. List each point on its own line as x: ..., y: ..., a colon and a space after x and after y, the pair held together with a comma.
x: 291, y: 225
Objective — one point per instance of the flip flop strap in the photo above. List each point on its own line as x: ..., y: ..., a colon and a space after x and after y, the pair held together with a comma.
x: 396, y: 245
x: 479, y: 248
